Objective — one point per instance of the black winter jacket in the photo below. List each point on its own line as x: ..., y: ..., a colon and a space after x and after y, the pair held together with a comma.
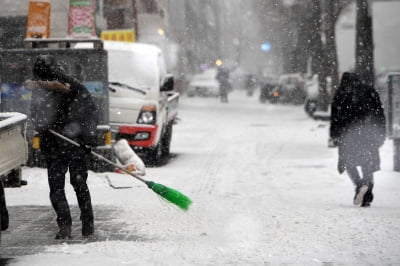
x: 357, y: 124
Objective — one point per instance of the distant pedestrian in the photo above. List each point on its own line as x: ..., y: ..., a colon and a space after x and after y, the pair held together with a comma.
x: 358, y: 129
x: 59, y: 102
x: 225, y: 85
x: 251, y: 84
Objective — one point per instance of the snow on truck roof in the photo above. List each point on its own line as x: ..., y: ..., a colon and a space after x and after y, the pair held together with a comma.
x: 8, y: 119
x: 144, y: 60
x: 123, y: 46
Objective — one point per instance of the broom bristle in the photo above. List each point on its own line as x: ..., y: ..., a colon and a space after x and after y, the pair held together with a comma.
x: 171, y: 195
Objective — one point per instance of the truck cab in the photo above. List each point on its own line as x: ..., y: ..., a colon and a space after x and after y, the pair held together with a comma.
x: 143, y: 103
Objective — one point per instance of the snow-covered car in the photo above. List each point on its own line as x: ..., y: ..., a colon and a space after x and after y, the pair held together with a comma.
x: 291, y: 88
x: 204, y: 84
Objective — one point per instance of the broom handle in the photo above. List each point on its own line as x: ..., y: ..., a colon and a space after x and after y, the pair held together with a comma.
x: 100, y: 157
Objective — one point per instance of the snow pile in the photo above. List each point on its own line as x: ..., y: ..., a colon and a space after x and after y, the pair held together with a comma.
x: 265, y: 191
x: 8, y: 119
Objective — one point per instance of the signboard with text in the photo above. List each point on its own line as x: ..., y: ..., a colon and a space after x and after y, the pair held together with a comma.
x: 81, y: 23
x: 118, y: 35
x: 38, y: 24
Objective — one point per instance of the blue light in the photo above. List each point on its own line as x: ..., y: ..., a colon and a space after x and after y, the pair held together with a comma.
x: 266, y: 47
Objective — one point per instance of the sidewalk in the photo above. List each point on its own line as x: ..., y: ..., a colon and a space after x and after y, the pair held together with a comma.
x: 34, y: 227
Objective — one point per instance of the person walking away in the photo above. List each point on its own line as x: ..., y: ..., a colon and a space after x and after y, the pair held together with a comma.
x: 358, y: 129
x: 224, y: 84
x: 251, y: 84
x: 59, y: 102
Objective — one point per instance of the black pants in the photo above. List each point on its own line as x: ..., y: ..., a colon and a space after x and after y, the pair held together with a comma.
x: 367, y: 179
x: 76, y: 163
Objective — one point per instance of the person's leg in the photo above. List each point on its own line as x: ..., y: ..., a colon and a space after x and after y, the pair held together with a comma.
x: 368, y: 180
x: 360, y: 189
x: 56, y: 170
x: 354, y: 175
x: 78, y: 177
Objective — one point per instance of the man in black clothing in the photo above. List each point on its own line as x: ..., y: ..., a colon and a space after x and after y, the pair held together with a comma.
x: 225, y: 85
x: 59, y: 102
x: 358, y: 129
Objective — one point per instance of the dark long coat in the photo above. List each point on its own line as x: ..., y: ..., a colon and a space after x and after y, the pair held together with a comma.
x: 357, y: 124
x: 225, y: 85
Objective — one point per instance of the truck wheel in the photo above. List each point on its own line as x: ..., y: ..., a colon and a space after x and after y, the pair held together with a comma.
x: 166, y: 141
x: 154, y: 156
x: 13, y: 179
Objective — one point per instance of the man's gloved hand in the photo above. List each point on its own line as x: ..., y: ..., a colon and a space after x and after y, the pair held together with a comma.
x: 86, y: 148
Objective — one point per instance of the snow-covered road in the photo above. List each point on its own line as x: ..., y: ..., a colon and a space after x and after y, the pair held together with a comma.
x: 265, y: 191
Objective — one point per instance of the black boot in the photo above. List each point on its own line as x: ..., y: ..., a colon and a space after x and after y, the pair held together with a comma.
x: 368, y: 197
x: 64, y: 233
x: 87, y: 227
x: 361, y: 190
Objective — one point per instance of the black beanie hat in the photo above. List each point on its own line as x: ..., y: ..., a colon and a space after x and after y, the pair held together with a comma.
x: 43, y: 67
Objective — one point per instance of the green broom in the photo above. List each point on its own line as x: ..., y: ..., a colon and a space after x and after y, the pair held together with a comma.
x: 171, y: 195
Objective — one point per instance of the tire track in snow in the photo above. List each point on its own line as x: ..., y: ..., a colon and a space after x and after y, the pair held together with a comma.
x: 212, y: 166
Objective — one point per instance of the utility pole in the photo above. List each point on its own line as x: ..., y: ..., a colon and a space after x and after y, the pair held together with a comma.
x: 364, y: 42
x: 135, y: 20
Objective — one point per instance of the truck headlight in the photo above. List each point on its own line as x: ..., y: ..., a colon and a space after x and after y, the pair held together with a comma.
x: 142, y: 136
x: 147, y: 115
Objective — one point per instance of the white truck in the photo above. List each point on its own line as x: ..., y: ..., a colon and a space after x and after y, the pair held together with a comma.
x: 14, y: 149
x: 142, y: 100
x: 13, y: 154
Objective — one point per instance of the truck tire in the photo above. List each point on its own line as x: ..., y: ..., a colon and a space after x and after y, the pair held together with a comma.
x: 13, y: 179
x: 154, y: 156
x: 166, y: 141
x: 99, y: 166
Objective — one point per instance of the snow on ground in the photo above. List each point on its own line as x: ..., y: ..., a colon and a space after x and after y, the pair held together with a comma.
x: 265, y: 191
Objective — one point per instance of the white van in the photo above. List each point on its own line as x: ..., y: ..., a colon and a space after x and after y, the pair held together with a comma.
x: 143, y: 105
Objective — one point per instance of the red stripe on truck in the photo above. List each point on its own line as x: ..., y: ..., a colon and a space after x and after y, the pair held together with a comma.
x: 132, y: 130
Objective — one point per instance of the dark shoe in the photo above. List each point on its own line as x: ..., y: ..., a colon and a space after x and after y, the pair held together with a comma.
x: 365, y: 204
x: 64, y: 233
x: 87, y: 228
x: 360, y: 193
x: 368, y: 198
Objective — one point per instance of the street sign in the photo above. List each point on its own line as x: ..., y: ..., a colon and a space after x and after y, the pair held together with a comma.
x: 81, y: 22
x: 118, y: 35
x: 38, y: 25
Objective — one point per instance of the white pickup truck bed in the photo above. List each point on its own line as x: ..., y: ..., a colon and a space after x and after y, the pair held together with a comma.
x: 13, y: 145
